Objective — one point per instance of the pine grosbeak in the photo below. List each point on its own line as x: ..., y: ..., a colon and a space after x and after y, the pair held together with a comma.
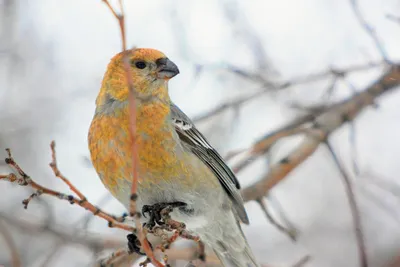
x: 176, y: 164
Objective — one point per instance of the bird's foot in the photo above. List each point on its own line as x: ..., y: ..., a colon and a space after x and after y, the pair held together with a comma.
x: 158, y: 211
x: 134, y: 244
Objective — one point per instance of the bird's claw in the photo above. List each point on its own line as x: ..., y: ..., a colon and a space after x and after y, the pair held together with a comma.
x: 154, y: 212
x: 134, y: 244
x: 146, y: 209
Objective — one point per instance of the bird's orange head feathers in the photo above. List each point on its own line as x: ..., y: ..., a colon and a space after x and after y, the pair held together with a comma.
x: 150, y: 70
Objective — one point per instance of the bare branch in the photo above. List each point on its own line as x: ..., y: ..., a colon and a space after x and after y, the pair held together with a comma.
x: 132, y: 121
x: 369, y: 30
x: 86, y: 219
x: 353, y: 144
x: 353, y: 207
x: 58, y: 174
x: 25, y: 180
x: 68, y: 235
x: 393, y: 18
x: 267, y: 85
x: 15, y: 257
x: 115, y: 255
x: 278, y: 207
x: 302, y: 261
x: 262, y: 146
x: 323, y: 125
x: 233, y: 104
x: 247, y: 33
x: 291, y: 233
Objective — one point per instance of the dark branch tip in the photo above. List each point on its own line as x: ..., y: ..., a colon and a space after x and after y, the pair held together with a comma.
x: 97, y: 211
x: 345, y: 117
x: 202, y: 257
x: 70, y: 199
x: 284, y: 160
x: 25, y: 202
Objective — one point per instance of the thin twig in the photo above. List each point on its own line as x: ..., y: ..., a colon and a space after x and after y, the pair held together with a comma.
x: 291, y: 233
x: 331, y: 88
x: 353, y: 144
x: 132, y: 120
x: 50, y: 256
x: 25, y: 180
x: 86, y: 219
x: 393, y: 18
x: 247, y: 33
x: 353, y: 207
x: 369, y: 30
x: 278, y: 207
x: 15, y: 257
x: 232, y: 104
x: 119, y: 253
x: 384, y: 184
x: 302, y: 261
x: 58, y: 174
x: 73, y: 235
x: 283, y: 85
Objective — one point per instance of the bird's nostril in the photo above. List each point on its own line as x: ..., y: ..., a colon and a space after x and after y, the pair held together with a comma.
x: 161, y: 61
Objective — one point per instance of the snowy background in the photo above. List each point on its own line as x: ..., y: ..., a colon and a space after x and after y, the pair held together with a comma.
x: 53, y: 54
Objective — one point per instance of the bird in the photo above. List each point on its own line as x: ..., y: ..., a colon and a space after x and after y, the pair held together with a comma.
x: 176, y: 165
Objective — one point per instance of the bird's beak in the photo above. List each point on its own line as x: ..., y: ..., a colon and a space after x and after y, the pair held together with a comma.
x: 166, y: 69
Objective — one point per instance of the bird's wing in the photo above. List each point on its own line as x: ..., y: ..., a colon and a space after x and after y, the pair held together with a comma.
x: 199, y: 146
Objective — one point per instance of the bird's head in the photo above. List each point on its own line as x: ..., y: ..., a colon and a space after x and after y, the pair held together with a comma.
x: 150, y: 71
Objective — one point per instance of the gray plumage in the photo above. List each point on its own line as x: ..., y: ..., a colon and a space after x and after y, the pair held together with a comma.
x: 224, y: 234
x: 197, y: 143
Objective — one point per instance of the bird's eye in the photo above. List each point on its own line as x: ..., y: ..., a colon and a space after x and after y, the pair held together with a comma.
x: 140, y: 65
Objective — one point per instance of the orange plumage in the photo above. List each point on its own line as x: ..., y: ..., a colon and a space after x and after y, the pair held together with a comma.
x: 110, y: 141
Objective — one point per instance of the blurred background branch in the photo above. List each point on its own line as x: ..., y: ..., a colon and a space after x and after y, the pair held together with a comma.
x: 266, y: 81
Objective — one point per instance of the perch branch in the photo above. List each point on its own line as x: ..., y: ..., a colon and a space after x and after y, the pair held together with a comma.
x: 24, y: 180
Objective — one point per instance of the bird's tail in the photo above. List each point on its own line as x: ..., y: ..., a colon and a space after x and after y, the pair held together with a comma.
x: 227, y: 240
x: 233, y: 258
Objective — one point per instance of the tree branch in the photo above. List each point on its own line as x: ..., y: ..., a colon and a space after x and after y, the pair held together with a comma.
x: 24, y: 180
x: 353, y: 207
x: 15, y: 258
x: 322, y: 126
x: 291, y: 233
x: 132, y: 121
x: 255, y: 77
x: 369, y: 30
